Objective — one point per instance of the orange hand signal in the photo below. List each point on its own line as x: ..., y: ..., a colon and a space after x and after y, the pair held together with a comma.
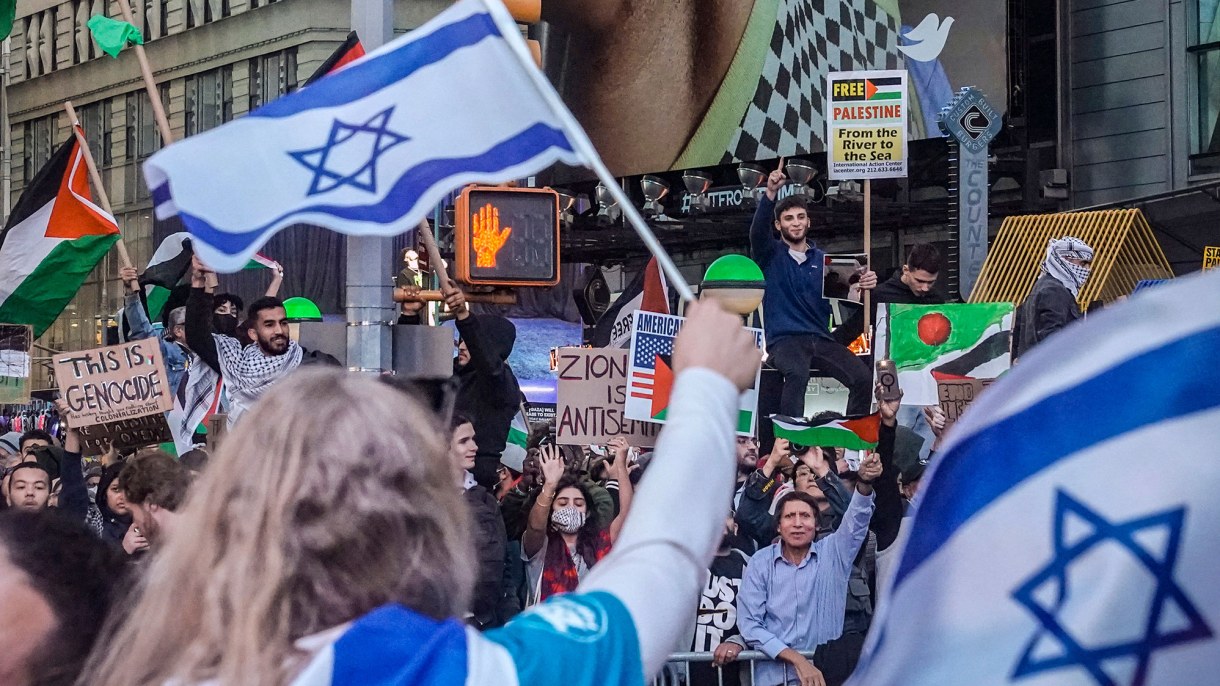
x: 488, y: 239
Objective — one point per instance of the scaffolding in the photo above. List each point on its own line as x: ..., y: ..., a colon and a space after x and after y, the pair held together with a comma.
x: 1124, y: 253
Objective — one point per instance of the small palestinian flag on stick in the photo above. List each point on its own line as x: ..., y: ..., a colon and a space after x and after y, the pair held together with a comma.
x: 350, y: 51
x: 852, y: 433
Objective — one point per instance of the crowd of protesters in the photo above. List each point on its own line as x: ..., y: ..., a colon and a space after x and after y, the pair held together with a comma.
x: 248, y: 568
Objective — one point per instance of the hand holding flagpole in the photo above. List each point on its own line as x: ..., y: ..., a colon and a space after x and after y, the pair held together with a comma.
x: 103, y: 200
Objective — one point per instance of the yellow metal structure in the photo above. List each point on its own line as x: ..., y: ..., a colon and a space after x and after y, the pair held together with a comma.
x: 1124, y: 253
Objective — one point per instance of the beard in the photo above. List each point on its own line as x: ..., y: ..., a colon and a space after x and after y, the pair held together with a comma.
x: 276, y: 345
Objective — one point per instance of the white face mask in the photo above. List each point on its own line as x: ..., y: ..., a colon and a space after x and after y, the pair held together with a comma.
x: 93, y: 493
x: 567, y: 520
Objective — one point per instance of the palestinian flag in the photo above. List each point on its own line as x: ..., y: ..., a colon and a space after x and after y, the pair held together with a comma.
x: 889, y: 88
x: 168, y: 268
x: 647, y: 292
x: 514, y: 448
x: 54, y: 237
x: 350, y: 51
x: 260, y: 261
x: 852, y: 433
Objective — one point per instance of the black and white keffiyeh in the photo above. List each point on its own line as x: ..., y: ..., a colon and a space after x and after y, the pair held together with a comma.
x: 1056, y: 264
x: 249, y: 372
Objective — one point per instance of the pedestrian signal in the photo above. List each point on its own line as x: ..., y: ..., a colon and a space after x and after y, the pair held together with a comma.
x: 507, y: 236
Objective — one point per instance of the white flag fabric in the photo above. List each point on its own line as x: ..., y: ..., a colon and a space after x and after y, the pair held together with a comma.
x: 1067, y: 534
x: 370, y: 149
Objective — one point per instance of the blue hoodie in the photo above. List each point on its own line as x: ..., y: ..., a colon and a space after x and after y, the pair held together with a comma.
x: 792, y: 302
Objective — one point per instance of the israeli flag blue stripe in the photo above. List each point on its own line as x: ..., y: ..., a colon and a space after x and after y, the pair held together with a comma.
x: 379, y: 70
x: 413, y: 183
x: 967, y: 480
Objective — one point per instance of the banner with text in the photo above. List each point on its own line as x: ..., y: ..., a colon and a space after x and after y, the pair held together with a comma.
x: 110, y: 384
x: 1211, y: 257
x: 957, y: 394
x: 126, y: 433
x: 866, y: 124
x: 651, y: 375
x: 592, y: 391
x: 15, y: 342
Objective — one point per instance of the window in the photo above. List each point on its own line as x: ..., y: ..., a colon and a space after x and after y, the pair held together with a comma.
x: 209, y: 100
x: 95, y: 120
x: 272, y: 76
x: 200, y: 12
x: 1205, y: 53
x: 143, y: 139
x: 39, y: 145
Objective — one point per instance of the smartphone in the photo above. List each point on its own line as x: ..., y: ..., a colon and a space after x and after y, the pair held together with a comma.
x: 887, y: 376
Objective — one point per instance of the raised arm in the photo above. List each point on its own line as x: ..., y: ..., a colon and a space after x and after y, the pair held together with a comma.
x: 660, y: 560
x: 73, y: 494
x: 199, y: 319
x: 277, y: 280
x: 888, y: 514
x: 845, y: 542
x: 618, y: 470
x: 133, y: 310
x: 762, y: 245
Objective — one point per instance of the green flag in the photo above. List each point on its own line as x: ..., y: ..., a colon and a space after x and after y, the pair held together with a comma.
x: 8, y: 12
x: 113, y: 35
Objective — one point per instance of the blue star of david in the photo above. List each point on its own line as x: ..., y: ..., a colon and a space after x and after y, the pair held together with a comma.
x: 1167, y: 595
x: 365, y: 176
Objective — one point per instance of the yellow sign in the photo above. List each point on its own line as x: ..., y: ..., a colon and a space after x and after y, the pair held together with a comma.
x: 866, y: 124
x: 1211, y: 257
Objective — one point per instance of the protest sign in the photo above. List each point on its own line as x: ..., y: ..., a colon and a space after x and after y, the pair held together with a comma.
x: 651, y: 375
x: 841, y: 277
x: 539, y: 413
x: 866, y: 124
x: 125, y: 433
x: 15, y: 340
x: 957, y: 394
x: 114, y: 383
x: 1211, y: 257
x: 953, y: 340
x: 592, y: 391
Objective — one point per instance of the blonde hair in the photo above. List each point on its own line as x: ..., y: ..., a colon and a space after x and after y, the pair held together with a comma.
x: 334, y: 496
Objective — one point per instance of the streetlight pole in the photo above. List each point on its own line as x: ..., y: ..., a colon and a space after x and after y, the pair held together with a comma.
x: 370, y: 258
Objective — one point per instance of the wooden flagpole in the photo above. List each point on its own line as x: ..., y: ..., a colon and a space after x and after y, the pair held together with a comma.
x: 102, y: 199
x: 434, y: 254
x: 868, y: 251
x: 150, y: 84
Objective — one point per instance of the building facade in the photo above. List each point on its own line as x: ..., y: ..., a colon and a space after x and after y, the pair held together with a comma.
x: 213, y: 60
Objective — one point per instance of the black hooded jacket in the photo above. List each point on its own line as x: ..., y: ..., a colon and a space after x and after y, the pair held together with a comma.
x: 114, y: 526
x: 487, y: 388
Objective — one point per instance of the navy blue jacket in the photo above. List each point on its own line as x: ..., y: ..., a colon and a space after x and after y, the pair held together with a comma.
x: 792, y: 302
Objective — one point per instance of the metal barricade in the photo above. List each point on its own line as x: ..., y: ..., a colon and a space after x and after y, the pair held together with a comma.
x: 677, y: 670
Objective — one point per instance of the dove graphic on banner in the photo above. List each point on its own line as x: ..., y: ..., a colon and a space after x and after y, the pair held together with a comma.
x: 1066, y: 533
x: 927, y: 39
x: 371, y: 148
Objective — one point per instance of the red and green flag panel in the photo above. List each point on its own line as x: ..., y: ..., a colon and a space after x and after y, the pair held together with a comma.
x: 851, y: 433
x: 54, y: 238
x: 950, y: 341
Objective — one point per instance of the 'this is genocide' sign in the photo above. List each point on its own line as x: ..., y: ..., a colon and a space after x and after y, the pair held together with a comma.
x: 592, y: 392
x: 110, y: 384
x: 866, y: 124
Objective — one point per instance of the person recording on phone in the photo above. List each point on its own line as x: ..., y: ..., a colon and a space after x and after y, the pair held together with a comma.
x: 796, y: 315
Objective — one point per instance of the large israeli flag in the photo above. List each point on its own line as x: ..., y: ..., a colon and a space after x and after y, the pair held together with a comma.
x: 372, y: 148
x: 1069, y: 534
